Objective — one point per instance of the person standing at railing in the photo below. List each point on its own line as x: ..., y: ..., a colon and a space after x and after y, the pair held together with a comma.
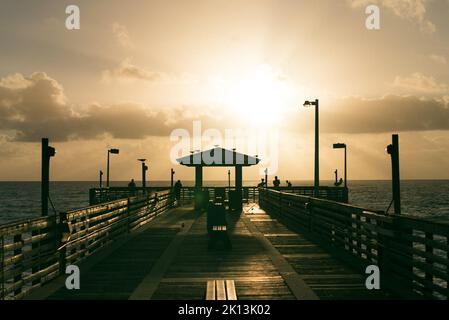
x: 177, y: 189
x: 132, y: 187
x: 289, y: 184
x: 276, y: 182
x: 261, y: 184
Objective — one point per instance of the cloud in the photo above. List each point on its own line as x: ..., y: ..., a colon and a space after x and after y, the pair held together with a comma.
x: 438, y: 59
x: 35, y: 106
x: 421, y: 83
x: 128, y: 71
x: 411, y: 10
x: 122, y: 35
x: 387, y: 114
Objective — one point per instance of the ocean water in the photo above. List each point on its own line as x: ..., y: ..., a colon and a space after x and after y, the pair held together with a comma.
x: 424, y: 198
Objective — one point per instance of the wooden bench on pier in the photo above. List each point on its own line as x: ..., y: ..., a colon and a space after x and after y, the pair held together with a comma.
x: 221, y: 290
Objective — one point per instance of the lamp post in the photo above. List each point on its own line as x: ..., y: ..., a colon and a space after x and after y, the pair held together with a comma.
x: 113, y: 151
x: 229, y: 179
x: 393, y: 151
x: 316, y: 183
x: 101, y: 179
x: 342, y: 146
x: 144, y: 170
x: 47, y: 153
x: 172, y: 174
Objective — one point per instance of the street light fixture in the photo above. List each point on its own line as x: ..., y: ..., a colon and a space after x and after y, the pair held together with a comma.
x: 144, y: 170
x: 342, y: 146
x: 316, y: 182
x: 113, y: 151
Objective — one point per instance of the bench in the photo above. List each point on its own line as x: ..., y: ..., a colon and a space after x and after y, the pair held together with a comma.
x: 221, y: 290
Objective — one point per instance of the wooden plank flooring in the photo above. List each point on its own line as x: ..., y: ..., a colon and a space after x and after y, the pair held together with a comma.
x: 127, y: 271
x: 188, y: 275
x: 327, y: 276
x: 118, y: 275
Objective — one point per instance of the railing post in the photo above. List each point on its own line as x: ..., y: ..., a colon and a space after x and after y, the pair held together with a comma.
x: 382, y: 249
x: 34, y: 246
x: 2, y: 261
x: 92, y: 196
x: 400, y: 235
x: 128, y: 212
x: 280, y: 204
x: 311, y: 214
x: 429, y: 262
x: 63, y: 250
x: 447, y: 267
x: 17, y: 239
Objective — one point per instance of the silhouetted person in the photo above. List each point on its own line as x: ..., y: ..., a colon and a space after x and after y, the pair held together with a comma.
x: 289, y: 184
x: 339, y: 183
x: 261, y: 184
x: 276, y: 182
x: 132, y: 187
x: 177, y: 189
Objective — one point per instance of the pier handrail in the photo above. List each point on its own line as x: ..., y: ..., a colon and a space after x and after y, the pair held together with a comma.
x: 411, y: 253
x: 35, y: 251
x: 101, y: 195
x: 249, y: 193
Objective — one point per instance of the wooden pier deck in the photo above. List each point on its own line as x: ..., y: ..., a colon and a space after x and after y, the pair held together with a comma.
x: 169, y: 259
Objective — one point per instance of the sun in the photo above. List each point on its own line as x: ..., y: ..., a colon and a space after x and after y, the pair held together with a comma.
x: 260, y: 95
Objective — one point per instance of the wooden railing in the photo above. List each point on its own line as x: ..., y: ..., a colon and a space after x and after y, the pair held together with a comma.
x: 28, y: 256
x: 411, y: 253
x: 33, y: 252
x: 101, y: 195
x: 249, y: 194
x: 339, y: 194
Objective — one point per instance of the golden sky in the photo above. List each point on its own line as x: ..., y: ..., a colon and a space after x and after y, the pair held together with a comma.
x: 134, y: 72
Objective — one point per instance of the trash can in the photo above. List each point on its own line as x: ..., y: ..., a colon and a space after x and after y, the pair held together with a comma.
x: 216, y: 215
x: 201, y: 199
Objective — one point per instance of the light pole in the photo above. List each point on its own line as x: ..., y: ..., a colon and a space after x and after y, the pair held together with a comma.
x: 113, y: 151
x: 342, y: 146
x: 101, y: 179
x: 172, y: 174
x: 316, y: 182
x: 229, y: 179
x: 393, y: 151
x: 144, y: 170
x: 47, y: 153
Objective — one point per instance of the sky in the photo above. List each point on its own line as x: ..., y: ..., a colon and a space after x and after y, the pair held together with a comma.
x: 135, y: 75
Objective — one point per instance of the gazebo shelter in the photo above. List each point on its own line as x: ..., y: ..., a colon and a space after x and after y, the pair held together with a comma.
x: 219, y: 157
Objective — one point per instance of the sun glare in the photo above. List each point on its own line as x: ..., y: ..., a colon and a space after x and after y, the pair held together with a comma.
x: 259, y: 95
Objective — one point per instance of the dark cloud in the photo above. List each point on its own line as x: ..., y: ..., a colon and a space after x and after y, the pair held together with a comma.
x: 391, y: 113
x: 35, y: 106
